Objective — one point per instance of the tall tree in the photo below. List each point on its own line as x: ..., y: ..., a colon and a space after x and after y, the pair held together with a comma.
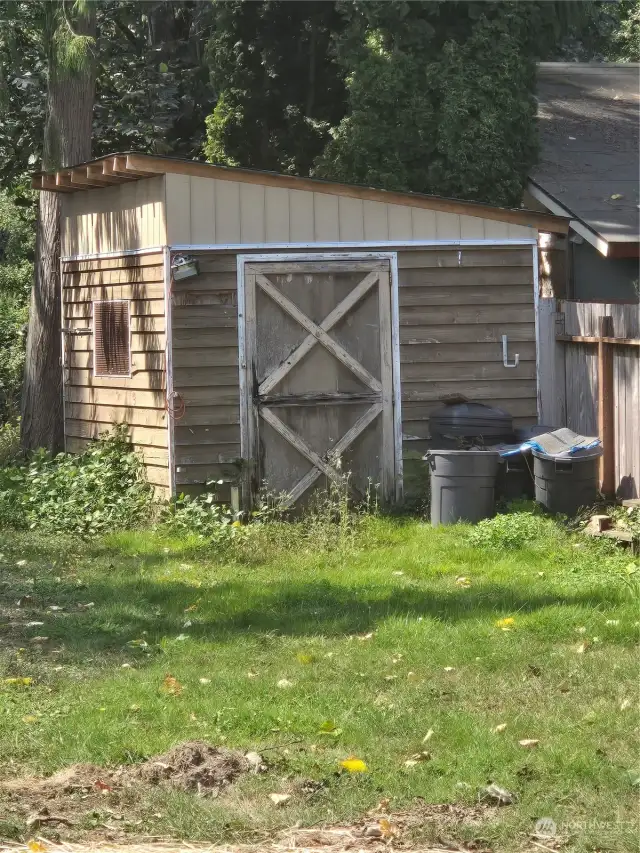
x: 441, y: 98
x: 279, y: 87
x: 69, y: 37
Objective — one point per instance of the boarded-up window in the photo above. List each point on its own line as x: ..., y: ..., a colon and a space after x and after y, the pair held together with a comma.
x: 112, y: 350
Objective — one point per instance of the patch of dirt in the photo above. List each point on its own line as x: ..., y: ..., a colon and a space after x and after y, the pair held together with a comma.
x: 194, y: 766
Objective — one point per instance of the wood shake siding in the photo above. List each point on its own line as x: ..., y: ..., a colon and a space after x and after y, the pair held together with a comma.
x: 93, y: 404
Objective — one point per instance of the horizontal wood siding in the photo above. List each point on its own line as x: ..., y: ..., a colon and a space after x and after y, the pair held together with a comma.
x: 94, y: 404
x: 112, y: 219
x: 209, y: 211
x: 454, y: 308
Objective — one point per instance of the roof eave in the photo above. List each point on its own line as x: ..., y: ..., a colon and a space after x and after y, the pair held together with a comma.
x: 118, y: 168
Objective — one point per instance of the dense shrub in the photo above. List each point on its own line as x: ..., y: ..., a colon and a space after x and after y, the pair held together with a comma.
x: 101, y: 489
x: 201, y: 516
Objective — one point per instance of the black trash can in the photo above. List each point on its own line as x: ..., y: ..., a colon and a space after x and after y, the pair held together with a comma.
x: 566, y: 483
x: 462, y: 485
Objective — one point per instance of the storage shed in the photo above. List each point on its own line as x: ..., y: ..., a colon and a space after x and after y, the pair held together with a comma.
x: 251, y: 327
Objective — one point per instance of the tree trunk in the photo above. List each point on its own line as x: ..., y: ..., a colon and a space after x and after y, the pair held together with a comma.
x: 70, y: 97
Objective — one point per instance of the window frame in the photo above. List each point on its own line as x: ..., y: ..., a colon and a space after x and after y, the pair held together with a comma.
x: 97, y: 375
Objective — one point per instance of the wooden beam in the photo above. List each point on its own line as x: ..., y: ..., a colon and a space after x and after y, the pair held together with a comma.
x: 48, y: 183
x: 108, y: 171
x: 80, y: 177
x: 96, y: 171
x: 581, y: 339
x: 606, y: 429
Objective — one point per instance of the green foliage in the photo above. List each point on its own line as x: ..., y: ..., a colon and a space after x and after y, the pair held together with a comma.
x: 102, y: 489
x: 512, y: 531
x: 201, y: 516
x: 279, y: 87
x: 9, y: 443
x: 440, y: 100
x: 16, y: 275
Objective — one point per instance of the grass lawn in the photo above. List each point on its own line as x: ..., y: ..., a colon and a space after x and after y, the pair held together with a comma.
x: 389, y: 635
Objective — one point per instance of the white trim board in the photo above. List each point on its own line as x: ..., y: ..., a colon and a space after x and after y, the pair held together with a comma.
x: 152, y: 250
x: 369, y: 244
x: 168, y: 369
x: 555, y: 207
x: 392, y: 257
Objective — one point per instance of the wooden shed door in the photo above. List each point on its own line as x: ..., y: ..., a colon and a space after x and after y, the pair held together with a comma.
x: 317, y: 358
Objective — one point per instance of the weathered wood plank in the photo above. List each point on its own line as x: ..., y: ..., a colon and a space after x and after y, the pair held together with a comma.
x: 473, y: 333
x: 452, y: 353
x: 186, y: 377
x: 152, y: 437
x: 423, y: 371
x: 479, y: 389
x: 112, y: 277
x: 198, y: 356
x: 465, y: 257
x: 210, y: 415
x: 140, y: 361
x: 207, y: 454
x: 223, y: 435
x: 142, y: 379
x: 150, y: 455
x: 115, y: 414
x: 510, y: 294
x: 463, y: 277
x: 417, y: 411
x: 442, y: 315
x: 582, y: 318
x: 221, y: 337
x: 114, y: 263
x: 130, y: 399
x: 138, y: 308
x: 114, y: 291
x: 138, y: 324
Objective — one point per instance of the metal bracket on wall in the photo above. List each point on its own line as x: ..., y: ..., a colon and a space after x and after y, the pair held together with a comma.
x: 505, y: 354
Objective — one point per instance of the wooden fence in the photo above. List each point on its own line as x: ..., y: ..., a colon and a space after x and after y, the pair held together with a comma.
x: 589, y: 380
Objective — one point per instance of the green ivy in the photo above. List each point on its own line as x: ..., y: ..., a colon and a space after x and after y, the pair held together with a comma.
x: 100, y: 490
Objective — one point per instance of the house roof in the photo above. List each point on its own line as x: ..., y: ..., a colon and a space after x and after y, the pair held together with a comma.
x: 118, y: 168
x: 588, y: 117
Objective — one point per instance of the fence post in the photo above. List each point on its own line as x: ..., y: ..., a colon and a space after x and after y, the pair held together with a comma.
x: 606, y: 406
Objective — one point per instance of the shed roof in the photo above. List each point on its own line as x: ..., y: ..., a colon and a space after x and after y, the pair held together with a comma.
x: 119, y: 168
x: 588, y: 116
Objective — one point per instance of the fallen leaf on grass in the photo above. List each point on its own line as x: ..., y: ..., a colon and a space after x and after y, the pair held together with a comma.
x: 528, y: 743
x: 449, y: 669
x: 387, y: 828
x: 506, y: 624
x: 463, y: 582
x: 304, y: 658
x: 102, y: 786
x: 279, y: 799
x: 354, y: 765
x: 581, y: 649
x: 284, y: 683
x: 36, y: 846
x: 625, y: 704
x: 21, y: 563
x: 192, y: 607
x: 417, y: 758
x: 171, y: 686
x: 428, y: 736
x: 499, y: 728
x: 329, y: 728
x: 204, y: 680
x: 495, y: 794
x: 18, y: 681
x: 368, y: 636
x: 29, y: 718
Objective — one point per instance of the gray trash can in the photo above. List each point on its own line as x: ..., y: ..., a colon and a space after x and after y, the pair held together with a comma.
x: 566, y: 483
x: 462, y: 485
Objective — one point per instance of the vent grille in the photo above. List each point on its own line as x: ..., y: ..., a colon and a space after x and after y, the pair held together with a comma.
x: 112, y: 350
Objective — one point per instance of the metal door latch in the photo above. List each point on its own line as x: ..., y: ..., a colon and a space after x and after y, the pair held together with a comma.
x: 505, y: 354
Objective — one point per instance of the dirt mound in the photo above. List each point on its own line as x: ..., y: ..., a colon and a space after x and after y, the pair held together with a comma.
x: 194, y: 766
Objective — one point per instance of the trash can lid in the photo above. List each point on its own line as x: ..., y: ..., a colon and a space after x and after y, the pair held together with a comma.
x: 578, y: 455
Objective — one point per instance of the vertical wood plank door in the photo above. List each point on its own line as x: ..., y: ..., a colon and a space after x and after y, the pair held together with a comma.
x: 318, y: 378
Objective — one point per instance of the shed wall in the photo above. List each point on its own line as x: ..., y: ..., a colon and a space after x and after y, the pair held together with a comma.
x: 454, y: 308
x: 111, y: 219
x: 94, y: 404
x: 208, y: 211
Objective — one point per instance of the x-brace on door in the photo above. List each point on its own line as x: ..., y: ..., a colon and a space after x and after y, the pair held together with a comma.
x: 318, y: 377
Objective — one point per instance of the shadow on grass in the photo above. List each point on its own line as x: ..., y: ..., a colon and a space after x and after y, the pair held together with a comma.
x: 128, y: 606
